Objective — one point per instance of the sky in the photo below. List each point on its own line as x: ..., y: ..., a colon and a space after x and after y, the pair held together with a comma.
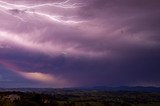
x: 71, y: 43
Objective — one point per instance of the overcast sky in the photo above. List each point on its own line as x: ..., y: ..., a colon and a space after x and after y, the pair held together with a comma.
x: 58, y: 43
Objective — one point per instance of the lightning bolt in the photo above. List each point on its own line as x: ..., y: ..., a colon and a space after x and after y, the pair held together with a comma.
x: 15, y: 10
x: 61, y: 5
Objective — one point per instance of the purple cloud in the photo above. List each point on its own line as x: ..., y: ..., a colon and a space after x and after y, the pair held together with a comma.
x: 79, y: 42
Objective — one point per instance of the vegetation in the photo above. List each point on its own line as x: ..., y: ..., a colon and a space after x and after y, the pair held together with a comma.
x: 79, y: 98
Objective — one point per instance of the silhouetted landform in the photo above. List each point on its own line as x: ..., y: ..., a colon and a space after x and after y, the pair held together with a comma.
x: 125, y: 88
x: 94, y: 96
x: 99, y: 88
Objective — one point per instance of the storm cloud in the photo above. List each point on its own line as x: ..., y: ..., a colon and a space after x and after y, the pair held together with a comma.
x: 79, y: 43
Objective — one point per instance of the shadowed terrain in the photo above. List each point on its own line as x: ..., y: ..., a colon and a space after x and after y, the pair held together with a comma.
x: 77, y: 97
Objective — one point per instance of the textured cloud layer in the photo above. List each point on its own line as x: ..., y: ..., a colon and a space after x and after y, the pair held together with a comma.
x: 80, y: 42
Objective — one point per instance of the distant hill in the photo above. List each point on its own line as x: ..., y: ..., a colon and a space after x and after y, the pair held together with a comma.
x: 99, y: 88
x: 125, y: 88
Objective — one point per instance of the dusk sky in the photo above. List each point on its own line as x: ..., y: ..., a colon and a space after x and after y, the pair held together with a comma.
x: 58, y: 43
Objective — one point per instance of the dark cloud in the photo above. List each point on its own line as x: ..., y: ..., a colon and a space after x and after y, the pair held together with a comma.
x: 98, y: 42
